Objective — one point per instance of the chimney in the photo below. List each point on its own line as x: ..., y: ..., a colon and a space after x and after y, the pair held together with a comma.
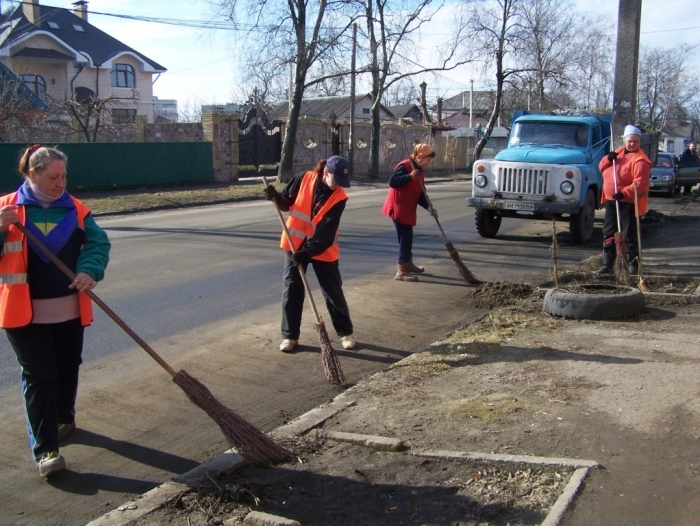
x: 80, y: 9
x: 30, y: 9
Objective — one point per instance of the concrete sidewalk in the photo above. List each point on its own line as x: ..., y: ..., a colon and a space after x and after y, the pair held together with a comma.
x: 615, y: 401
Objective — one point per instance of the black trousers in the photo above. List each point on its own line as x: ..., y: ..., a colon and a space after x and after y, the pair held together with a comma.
x: 328, y: 275
x: 49, y: 356
x: 405, y: 235
x: 628, y: 224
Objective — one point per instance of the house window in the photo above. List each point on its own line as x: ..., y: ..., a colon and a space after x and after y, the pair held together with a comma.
x: 37, y: 84
x: 365, y: 111
x: 122, y: 116
x: 123, y: 76
x: 78, y: 28
x: 670, y: 147
x: 53, y: 25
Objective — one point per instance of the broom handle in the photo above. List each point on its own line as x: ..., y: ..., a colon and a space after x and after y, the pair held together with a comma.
x: 425, y: 193
x: 639, y: 226
x: 617, y: 203
x: 299, y: 267
x: 31, y: 237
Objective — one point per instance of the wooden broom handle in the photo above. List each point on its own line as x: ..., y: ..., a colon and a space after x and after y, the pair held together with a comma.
x: 430, y: 204
x: 31, y: 237
x: 291, y: 244
x: 617, y: 203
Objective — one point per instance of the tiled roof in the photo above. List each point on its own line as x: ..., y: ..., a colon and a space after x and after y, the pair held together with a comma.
x: 95, y: 43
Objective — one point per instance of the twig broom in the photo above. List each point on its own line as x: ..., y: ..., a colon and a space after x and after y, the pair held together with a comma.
x: 461, y: 267
x: 640, y: 283
x: 252, y: 443
x: 451, y: 250
x: 331, y: 365
x: 621, y: 268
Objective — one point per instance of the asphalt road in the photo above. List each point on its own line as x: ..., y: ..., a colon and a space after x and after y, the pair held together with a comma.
x: 203, y: 287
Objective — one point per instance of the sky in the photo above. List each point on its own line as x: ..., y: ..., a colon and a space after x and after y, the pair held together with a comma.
x: 200, y: 63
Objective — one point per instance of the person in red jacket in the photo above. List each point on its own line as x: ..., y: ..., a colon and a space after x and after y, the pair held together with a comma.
x: 622, y: 168
x: 405, y: 194
x: 315, y: 201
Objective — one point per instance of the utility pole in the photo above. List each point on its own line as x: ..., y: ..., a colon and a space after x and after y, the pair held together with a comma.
x: 351, y: 134
x: 626, y: 67
x: 471, y: 102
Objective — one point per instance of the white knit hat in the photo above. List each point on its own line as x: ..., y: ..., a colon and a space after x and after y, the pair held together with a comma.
x: 631, y: 130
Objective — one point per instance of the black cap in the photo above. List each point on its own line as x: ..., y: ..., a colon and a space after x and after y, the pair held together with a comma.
x: 340, y: 169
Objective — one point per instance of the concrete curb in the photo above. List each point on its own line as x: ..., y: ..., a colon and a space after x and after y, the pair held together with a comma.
x: 140, y: 506
x: 524, y: 459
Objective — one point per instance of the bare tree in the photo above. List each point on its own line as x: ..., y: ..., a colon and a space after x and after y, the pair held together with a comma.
x: 299, y: 32
x: 546, y: 48
x: 495, y: 39
x: 390, y: 27
x: 593, y: 64
x: 667, y: 84
x: 93, y: 116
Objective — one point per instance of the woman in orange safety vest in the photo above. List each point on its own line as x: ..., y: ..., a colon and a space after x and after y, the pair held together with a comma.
x: 43, y: 312
x: 315, y: 201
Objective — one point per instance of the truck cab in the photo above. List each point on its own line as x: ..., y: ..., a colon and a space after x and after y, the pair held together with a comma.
x: 548, y: 170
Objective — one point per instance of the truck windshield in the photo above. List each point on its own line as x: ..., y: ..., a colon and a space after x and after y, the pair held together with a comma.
x: 566, y: 133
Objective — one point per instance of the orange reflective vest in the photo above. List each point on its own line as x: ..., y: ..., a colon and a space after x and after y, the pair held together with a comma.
x: 15, y: 301
x: 302, y: 226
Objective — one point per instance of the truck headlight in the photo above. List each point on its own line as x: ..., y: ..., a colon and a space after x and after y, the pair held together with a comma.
x: 481, y: 181
x: 566, y: 187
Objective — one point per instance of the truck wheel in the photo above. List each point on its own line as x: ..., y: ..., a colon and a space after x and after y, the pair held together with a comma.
x: 581, y: 224
x: 487, y: 222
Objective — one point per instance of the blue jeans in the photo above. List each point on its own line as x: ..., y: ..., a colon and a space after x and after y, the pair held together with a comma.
x: 49, y: 356
x: 405, y: 235
x: 328, y: 275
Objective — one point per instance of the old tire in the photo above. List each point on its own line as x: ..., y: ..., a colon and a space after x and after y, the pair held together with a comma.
x: 598, y: 306
x: 581, y: 224
x: 487, y: 222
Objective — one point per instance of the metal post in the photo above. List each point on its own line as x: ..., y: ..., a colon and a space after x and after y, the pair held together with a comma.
x: 351, y: 134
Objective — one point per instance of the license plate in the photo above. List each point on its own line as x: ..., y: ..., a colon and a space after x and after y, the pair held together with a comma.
x: 519, y: 206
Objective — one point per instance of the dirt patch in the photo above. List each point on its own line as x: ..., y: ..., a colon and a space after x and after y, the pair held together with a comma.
x: 499, y: 294
x: 346, y: 485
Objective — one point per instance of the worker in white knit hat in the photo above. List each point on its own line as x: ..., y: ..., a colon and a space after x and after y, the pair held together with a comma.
x: 622, y: 168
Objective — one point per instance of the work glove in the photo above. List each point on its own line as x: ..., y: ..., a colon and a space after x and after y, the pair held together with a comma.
x: 300, y: 257
x: 618, y: 196
x: 271, y: 193
x: 432, y: 212
x: 612, y: 156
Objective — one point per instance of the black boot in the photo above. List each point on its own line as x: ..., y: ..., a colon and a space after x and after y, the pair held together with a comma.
x: 608, y: 261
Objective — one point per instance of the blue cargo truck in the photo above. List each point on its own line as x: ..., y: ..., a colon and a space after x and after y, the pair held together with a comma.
x: 549, y: 170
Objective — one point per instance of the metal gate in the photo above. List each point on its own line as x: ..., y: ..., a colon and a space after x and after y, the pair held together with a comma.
x: 259, y: 143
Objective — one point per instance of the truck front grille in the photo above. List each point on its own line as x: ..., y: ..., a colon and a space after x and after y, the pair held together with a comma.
x: 524, y: 181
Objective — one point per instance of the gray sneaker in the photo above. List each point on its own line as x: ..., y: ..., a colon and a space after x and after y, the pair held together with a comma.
x: 49, y: 463
x: 288, y: 345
